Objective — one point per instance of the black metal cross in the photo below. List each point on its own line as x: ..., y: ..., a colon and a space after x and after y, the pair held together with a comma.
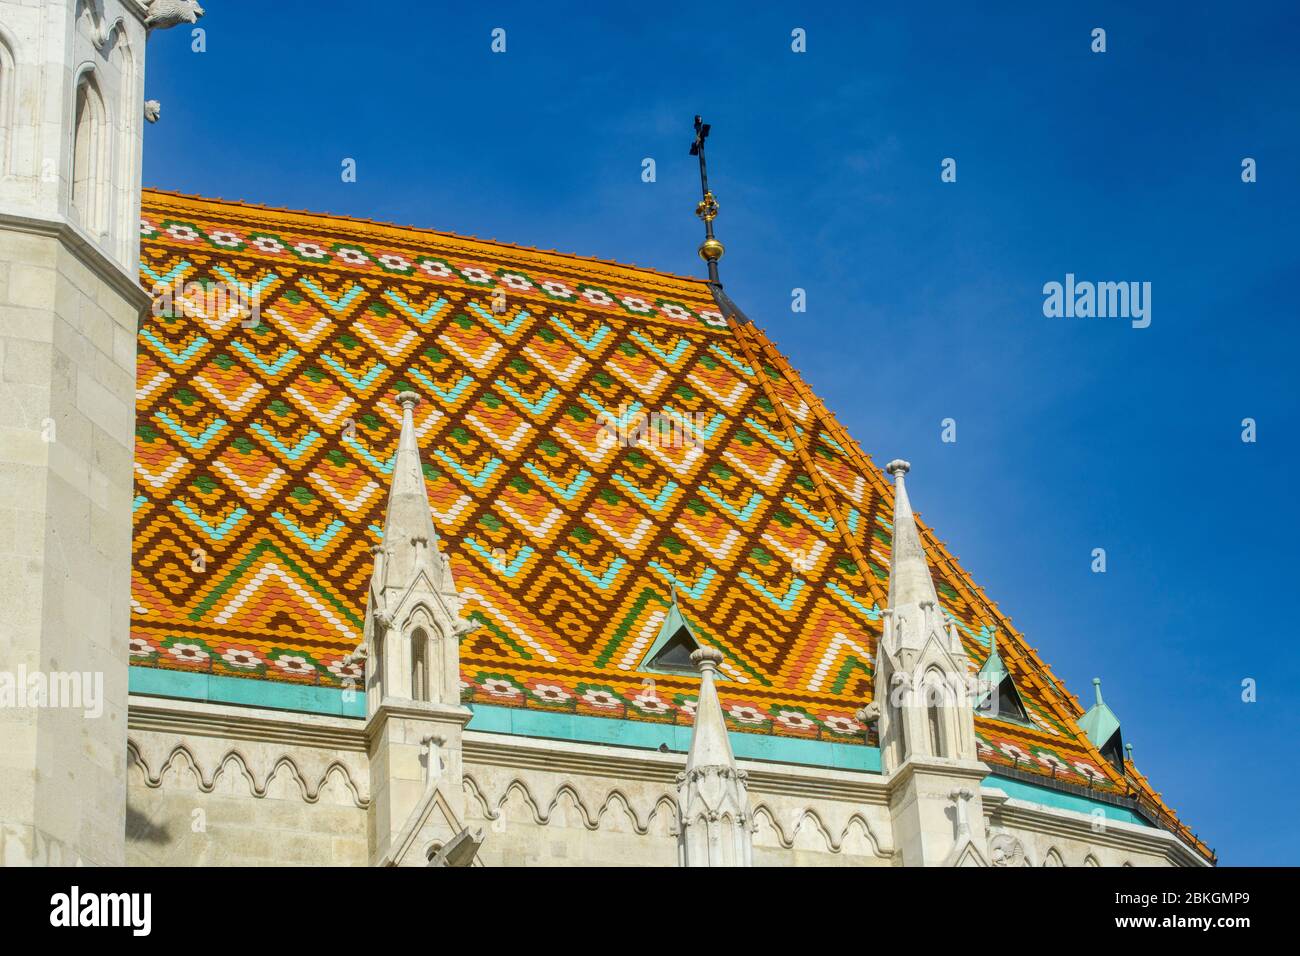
x: 711, y: 249
x: 697, y: 149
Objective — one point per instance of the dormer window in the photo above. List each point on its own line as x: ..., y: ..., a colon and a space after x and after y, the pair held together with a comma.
x: 673, y: 646
x: 1003, y: 702
x: 1102, y: 727
x: 1113, y: 751
x: 1000, y: 698
x: 675, y: 656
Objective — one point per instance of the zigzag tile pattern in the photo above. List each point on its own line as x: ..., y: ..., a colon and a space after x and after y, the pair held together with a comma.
x: 264, y: 451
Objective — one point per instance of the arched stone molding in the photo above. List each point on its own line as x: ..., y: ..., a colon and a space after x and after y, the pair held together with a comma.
x: 600, y: 807
x: 614, y: 810
x: 128, y: 145
x: 8, y: 98
x: 237, y: 773
x: 91, y: 165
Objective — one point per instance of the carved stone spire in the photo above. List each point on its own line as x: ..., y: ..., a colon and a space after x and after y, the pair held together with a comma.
x: 912, y: 598
x: 410, y: 542
x: 412, y: 618
x: 710, y: 745
x: 714, y: 819
x: 921, y: 654
x: 925, y: 711
x: 412, y: 649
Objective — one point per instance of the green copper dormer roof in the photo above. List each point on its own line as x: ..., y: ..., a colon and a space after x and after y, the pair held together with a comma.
x: 993, y: 670
x: 1002, y: 691
x: 673, y: 646
x: 1100, y: 722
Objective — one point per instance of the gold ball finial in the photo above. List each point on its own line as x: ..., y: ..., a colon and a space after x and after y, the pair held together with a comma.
x: 711, y: 250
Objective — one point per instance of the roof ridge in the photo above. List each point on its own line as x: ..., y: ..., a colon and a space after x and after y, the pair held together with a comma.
x: 157, y: 192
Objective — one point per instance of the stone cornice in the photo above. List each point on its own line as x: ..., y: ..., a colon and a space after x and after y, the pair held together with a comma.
x: 622, y: 763
x: 937, y: 767
x: 390, y: 708
x: 1069, y: 824
x: 195, y: 718
x: 84, y: 249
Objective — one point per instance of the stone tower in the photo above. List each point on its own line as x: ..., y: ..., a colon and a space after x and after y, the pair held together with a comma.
x: 71, y: 120
x: 412, y: 641
x: 927, y: 726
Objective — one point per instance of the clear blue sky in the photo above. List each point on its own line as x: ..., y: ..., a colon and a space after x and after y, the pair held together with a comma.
x: 924, y: 298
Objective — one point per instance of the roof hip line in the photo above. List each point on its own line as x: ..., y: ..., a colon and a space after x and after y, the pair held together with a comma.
x: 935, y: 546
x: 1058, y: 695
x: 841, y: 526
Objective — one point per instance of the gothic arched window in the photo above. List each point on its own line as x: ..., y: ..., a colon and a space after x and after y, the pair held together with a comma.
x: 901, y: 724
x: 896, y: 704
x: 90, y: 134
x: 419, y: 665
x: 936, y: 728
x: 934, y: 699
x: 8, y: 78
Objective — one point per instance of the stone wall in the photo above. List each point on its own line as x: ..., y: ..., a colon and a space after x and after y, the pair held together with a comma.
x: 69, y: 302
x: 217, y: 785
x: 545, y: 802
x: 67, y: 385
x: 222, y: 786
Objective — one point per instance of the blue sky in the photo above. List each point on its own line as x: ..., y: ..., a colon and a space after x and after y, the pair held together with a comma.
x: 924, y: 298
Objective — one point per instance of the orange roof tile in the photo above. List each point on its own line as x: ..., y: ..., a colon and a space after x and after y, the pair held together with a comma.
x: 263, y: 453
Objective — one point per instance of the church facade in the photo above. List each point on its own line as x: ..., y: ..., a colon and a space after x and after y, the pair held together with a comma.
x: 406, y: 548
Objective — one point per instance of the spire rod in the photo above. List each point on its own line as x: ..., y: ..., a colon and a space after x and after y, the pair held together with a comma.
x: 1096, y: 686
x: 707, y: 209
x: 711, y: 249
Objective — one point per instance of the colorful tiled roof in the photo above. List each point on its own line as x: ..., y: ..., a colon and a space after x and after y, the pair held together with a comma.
x: 263, y: 455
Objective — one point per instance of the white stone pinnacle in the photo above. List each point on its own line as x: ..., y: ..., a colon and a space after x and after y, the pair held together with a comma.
x: 910, y: 583
x: 710, y: 746
x: 714, y: 820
